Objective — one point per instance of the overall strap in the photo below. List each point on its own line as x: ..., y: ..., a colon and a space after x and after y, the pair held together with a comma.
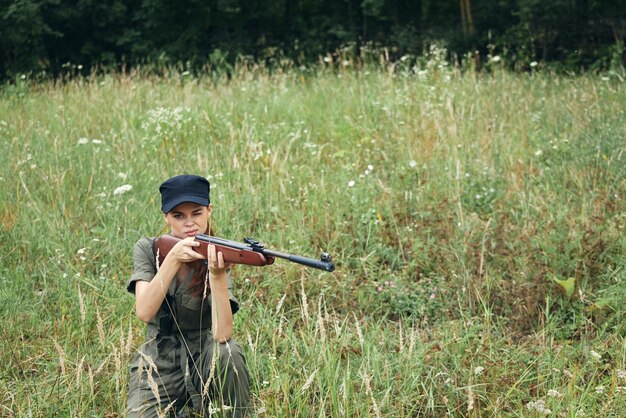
x: 168, y: 306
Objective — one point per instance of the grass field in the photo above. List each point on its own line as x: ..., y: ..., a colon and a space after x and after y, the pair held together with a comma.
x: 477, y: 221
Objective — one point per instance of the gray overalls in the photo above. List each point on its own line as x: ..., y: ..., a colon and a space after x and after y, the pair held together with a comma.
x: 180, y: 364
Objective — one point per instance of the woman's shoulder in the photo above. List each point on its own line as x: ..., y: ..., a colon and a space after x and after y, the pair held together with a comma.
x: 144, y: 263
x: 144, y: 241
x: 144, y: 247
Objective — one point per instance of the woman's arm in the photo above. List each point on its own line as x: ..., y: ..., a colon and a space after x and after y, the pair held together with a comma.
x: 221, y: 312
x: 149, y: 295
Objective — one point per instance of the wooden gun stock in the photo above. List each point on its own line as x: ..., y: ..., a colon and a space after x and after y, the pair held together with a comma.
x: 231, y: 255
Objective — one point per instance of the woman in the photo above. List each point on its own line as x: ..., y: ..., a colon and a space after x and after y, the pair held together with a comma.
x: 189, y: 358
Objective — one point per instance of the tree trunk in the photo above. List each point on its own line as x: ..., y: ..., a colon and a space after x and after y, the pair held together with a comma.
x: 467, y: 22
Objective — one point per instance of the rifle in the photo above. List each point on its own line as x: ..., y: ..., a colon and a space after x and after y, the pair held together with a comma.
x: 249, y: 252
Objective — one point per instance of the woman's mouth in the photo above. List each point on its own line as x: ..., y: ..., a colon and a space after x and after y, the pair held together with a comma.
x: 191, y: 233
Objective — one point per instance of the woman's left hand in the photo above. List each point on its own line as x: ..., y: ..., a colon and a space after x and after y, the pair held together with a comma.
x: 217, y: 265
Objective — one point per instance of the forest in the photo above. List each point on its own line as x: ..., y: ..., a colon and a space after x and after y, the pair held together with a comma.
x: 52, y: 37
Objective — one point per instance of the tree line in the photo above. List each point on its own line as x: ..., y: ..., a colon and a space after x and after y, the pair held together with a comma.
x: 51, y: 35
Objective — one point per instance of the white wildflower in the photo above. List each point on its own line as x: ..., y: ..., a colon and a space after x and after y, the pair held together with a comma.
x: 533, y: 64
x: 496, y: 58
x: 538, y: 153
x: 553, y: 393
x: 160, y: 122
x: 621, y: 374
x: 595, y: 355
x: 412, y: 163
x: 351, y: 183
x: 539, y: 406
x: 96, y: 141
x: 478, y: 370
x: 83, y: 141
x: 600, y: 390
x: 122, y: 189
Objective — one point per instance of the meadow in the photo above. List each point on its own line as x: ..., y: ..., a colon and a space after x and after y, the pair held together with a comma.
x: 477, y: 221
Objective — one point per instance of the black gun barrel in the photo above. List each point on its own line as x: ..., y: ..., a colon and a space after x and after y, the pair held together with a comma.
x: 325, y: 265
x: 310, y: 262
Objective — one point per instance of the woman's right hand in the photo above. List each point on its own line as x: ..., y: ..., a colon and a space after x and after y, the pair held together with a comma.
x: 183, y: 251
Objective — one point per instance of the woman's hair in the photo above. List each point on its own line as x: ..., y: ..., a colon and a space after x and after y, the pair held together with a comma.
x: 199, y: 280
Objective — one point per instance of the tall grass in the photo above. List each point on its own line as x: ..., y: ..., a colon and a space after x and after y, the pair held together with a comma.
x: 450, y: 200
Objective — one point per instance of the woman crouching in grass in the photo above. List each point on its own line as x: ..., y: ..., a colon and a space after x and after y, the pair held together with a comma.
x: 189, y: 358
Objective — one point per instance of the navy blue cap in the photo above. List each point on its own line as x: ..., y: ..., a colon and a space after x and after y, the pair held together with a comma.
x: 184, y: 188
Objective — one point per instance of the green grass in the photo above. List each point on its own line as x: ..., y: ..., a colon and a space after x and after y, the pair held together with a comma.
x: 450, y: 201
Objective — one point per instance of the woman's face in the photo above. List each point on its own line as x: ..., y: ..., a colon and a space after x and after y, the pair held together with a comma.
x: 188, y: 219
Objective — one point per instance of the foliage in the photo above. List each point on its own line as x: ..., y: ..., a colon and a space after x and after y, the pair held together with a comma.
x: 47, y: 36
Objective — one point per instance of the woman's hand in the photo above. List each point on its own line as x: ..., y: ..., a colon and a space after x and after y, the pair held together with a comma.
x: 217, y: 266
x: 183, y: 251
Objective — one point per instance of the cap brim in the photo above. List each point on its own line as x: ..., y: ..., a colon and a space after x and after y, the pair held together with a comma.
x: 183, y: 199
